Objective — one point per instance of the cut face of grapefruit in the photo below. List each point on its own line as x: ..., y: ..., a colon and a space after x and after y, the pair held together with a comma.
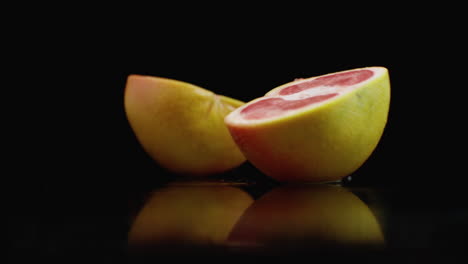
x: 317, y: 129
x: 306, y: 92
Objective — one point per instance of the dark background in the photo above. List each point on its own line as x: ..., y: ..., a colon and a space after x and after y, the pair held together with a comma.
x: 68, y: 71
x: 77, y: 162
x: 90, y: 133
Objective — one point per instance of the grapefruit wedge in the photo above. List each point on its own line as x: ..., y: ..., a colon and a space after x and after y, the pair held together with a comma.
x: 181, y: 125
x: 318, y: 129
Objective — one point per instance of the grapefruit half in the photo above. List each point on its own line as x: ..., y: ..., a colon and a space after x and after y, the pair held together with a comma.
x: 318, y: 129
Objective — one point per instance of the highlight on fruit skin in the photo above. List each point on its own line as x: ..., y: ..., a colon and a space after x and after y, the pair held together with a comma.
x: 307, y: 216
x: 180, y: 125
x: 318, y: 129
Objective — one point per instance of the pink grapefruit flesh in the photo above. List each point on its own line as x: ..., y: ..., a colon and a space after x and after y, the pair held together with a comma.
x: 304, y: 93
x: 336, y: 79
x: 274, y: 106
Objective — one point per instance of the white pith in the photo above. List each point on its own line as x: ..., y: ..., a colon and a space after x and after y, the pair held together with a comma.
x: 320, y: 90
x: 237, y: 118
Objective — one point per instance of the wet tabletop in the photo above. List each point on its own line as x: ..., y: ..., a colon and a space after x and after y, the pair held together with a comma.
x: 239, y: 218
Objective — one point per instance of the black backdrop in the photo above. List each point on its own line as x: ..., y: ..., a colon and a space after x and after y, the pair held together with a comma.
x: 77, y: 156
x: 76, y: 80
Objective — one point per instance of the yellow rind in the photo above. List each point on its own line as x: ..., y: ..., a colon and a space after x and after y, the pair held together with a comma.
x: 181, y: 125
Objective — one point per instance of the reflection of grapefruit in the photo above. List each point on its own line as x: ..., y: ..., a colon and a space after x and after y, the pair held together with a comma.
x: 317, y: 129
x: 188, y: 215
x: 181, y: 125
x: 307, y: 215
